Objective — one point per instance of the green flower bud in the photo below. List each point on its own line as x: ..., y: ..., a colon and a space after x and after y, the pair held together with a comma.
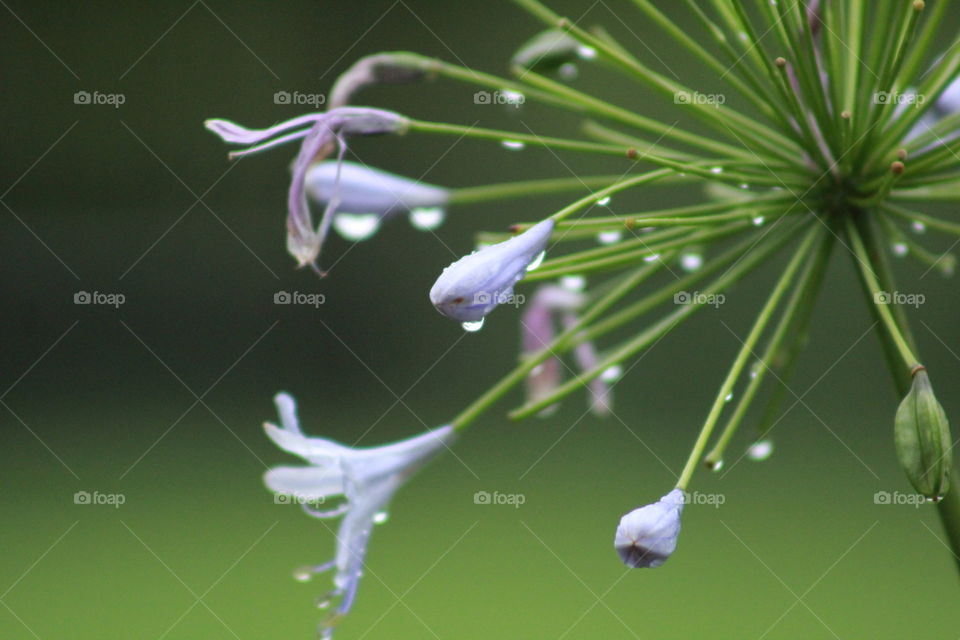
x: 922, y: 436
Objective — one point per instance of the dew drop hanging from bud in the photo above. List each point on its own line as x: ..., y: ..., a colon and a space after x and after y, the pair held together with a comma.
x: 513, y: 145
x: 356, y: 226
x: 380, y: 517
x: 603, y: 202
x: 715, y: 466
x: 758, y: 220
x: 473, y: 327
x: 427, y: 218
x: 536, y: 262
x: 900, y: 249
x: 918, y: 227
x: 612, y: 373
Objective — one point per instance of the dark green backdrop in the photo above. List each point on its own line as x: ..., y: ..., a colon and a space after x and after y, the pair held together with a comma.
x: 161, y: 400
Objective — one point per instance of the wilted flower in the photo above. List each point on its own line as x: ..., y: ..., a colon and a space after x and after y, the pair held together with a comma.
x: 366, y: 478
x: 322, y: 133
x: 474, y: 285
x: 537, y: 329
x: 380, y: 68
x: 373, y: 193
x: 647, y: 536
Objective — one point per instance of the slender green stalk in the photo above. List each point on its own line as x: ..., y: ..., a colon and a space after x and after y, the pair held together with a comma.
x: 744, y: 354
x: 528, y: 188
x: 559, y: 344
x: 797, y: 311
x: 651, y: 334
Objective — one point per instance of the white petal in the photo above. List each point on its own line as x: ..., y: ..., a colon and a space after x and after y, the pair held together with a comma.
x: 306, y: 483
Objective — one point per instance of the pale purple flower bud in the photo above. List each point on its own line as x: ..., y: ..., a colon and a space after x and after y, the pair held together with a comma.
x: 364, y: 190
x: 366, y: 478
x: 537, y: 325
x: 474, y: 285
x: 321, y: 134
x: 380, y: 68
x: 647, y: 536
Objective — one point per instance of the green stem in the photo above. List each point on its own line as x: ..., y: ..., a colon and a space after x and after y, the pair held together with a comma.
x: 652, y: 333
x: 525, y: 188
x: 744, y: 354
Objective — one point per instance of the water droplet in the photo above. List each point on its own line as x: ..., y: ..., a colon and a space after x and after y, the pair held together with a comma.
x: 473, y: 327
x: 653, y: 257
x: 573, y: 283
x: 604, y: 201
x: 537, y: 261
x: 744, y: 185
x: 356, y: 226
x: 611, y: 374
x: 715, y: 466
x: 380, y: 517
x: 609, y: 237
x: 729, y: 397
x: 918, y: 227
x: 760, y: 450
x: 537, y: 370
x: 716, y: 169
x: 743, y: 36
x: 755, y: 368
x: 900, y: 249
x: 303, y: 574
x: 758, y: 220
x: 513, y: 145
x: 324, y: 602
x: 691, y: 261
x: 587, y: 53
x: 947, y: 265
x: 427, y: 218
x: 512, y: 98
x: 568, y: 71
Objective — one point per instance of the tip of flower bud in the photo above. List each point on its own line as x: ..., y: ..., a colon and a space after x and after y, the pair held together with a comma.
x: 781, y: 62
x: 846, y: 114
x: 919, y: 5
x: 897, y: 168
x: 902, y: 154
x: 632, y: 153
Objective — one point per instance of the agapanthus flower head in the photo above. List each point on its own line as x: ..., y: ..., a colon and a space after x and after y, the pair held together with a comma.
x: 366, y: 196
x: 366, y: 478
x: 474, y: 285
x: 538, y: 329
x: 395, y: 67
x: 322, y: 133
x: 647, y: 536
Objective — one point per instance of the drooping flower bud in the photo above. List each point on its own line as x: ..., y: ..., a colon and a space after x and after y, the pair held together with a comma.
x: 380, y: 68
x: 550, y: 50
x: 364, y: 191
x: 647, y: 536
x: 922, y: 436
x: 474, y: 285
x: 322, y: 133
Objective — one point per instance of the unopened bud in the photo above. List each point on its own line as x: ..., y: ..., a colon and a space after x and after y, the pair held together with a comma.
x: 922, y: 436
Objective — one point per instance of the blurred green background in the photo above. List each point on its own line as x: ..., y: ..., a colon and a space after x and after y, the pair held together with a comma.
x: 161, y: 400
